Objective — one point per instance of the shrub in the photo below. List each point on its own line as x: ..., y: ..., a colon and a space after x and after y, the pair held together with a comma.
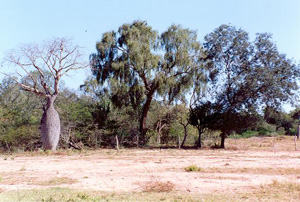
x: 192, y: 168
x: 158, y: 186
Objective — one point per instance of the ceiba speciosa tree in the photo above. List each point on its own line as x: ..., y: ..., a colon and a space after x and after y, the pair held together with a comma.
x: 43, y: 66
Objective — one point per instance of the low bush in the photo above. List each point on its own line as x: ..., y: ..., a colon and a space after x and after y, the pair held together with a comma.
x: 192, y: 168
x: 158, y: 186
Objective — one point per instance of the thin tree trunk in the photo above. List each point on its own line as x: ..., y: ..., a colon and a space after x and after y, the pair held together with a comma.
x: 50, y: 125
x: 295, y: 141
x: 199, y: 145
x: 117, y: 143
x: 158, y: 138
x: 223, y: 136
x: 142, y: 139
x: 96, y: 140
x: 179, y: 143
x: 8, y: 148
x: 158, y: 129
x: 185, y: 135
x: 298, y: 131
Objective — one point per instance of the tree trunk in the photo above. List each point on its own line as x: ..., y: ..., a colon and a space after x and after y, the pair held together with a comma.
x: 199, y: 145
x: 158, y: 138
x: 185, y: 135
x: 142, y: 139
x: 298, y: 131
x: 223, y: 136
x: 117, y: 143
x: 50, y: 126
x: 158, y: 130
x: 179, y: 144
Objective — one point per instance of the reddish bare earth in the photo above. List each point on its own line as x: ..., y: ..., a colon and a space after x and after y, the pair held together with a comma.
x: 245, y: 164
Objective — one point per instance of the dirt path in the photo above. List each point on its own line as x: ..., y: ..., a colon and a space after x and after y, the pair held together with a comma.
x: 132, y: 170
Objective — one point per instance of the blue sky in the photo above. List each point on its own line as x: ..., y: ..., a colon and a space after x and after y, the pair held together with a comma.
x: 27, y: 21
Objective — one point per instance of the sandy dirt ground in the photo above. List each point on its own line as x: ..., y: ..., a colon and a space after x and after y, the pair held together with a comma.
x: 132, y: 170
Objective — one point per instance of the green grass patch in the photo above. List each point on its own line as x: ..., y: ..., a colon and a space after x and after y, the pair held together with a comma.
x: 276, y: 191
x: 249, y: 134
x: 246, y: 134
x: 192, y: 168
x: 57, y: 181
x: 69, y: 195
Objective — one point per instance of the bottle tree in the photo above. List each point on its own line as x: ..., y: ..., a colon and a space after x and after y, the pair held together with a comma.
x: 42, y: 67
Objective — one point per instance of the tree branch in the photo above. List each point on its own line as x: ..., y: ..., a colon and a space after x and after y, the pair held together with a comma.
x: 26, y: 87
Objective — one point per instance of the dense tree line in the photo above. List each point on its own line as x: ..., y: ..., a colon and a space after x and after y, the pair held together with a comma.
x: 151, y: 89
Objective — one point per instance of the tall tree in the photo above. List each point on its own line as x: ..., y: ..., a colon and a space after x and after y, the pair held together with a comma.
x: 138, y: 65
x: 43, y: 66
x: 244, y: 76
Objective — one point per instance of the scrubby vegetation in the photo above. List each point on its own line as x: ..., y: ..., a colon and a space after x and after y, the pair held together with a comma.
x: 161, y: 90
x: 87, y: 123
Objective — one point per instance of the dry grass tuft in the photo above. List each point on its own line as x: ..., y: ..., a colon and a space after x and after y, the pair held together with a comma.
x: 278, y: 191
x: 60, y: 153
x: 249, y: 170
x: 158, y: 186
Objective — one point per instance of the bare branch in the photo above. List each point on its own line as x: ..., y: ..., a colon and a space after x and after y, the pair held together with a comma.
x: 57, y: 57
x: 69, y: 53
x: 73, y: 68
x: 50, y: 67
x: 26, y: 87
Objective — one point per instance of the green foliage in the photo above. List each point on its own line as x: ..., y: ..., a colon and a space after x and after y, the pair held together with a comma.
x: 76, y: 118
x: 280, y: 119
x: 121, y: 123
x: 136, y: 63
x: 19, y: 122
x: 249, y: 134
x: 141, y: 79
x: 25, y: 136
x: 192, y: 168
x: 261, y: 129
x: 243, y: 75
x: 246, y: 134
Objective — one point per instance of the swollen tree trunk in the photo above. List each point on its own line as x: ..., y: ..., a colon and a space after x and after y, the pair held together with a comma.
x: 142, y: 139
x: 50, y: 125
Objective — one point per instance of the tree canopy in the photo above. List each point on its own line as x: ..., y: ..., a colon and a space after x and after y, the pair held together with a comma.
x: 244, y: 76
x: 141, y: 84
x: 137, y: 64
